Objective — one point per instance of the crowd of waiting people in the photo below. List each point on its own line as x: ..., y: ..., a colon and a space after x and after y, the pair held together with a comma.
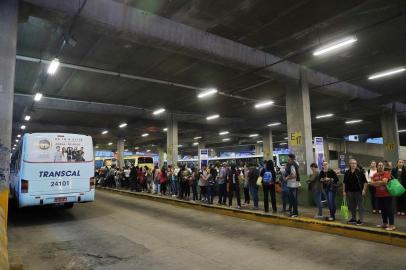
x: 226, y: 180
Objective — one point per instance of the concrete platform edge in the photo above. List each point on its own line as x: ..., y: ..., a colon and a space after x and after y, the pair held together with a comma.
x: 364, y: 233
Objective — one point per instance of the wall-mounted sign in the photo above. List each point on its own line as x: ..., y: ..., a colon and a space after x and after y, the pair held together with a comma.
x: 295, y: 138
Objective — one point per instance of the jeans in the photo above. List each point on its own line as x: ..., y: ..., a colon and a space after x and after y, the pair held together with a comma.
x: 331, y: 200
x: 386, y: 205
x: 235, y: 187
x: 157, y: 187
x: 222, y: 193
x: 401, y: 203
x: 203, y: 193
x: 293, y: 200
x: 246, y: 195
x: 317, y: 196
x: 194, y: 190
x: 254, y: 193
x: 285, y: 201
x: 174, y: 187
x: 355, y: 200
x: 269, y: 189
x: 210, y: 194
x: 372, y: 191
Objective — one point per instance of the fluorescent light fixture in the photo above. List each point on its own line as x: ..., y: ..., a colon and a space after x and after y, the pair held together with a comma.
x: 136, y: 148
x: 165, y: 129
x: 211, y: 117
x: 38, y: 96
x: 158, y: 111
x: 122, y: 125
x: 126, y: 150
x: 283, y: 143
x: 19, y: 136
x: 180, y: 145
x: 223, y: 133
x: 401, y: 130
x: 145, y: 135
x: 15, y: 145
x: 195, y: 143
x: 148, y: 150
x: 324, y: 116
x: 286, y: 138
x: 260, y: 141
x: 335, y: 46
x: 14, y: 148
x: 196, y: 138
x: 353, y: 121
x: 23, y: 127
x: 17, y: 140
x: 53, y: 66
x: 263, y: 104
x: 27, y: 118
x: 386, y: 73
x: 104, y: 132
x: 208, y: 92
x: 97, y: 147
x: 110, y: 143
x: 274, y: 124
x: 226, y: 139
x: 254, y: 135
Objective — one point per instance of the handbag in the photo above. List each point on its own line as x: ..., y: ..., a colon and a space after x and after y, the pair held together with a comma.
x: 395, y: 188
x: 278, y: 188
x: 259, y: 181
x: 344, y: 209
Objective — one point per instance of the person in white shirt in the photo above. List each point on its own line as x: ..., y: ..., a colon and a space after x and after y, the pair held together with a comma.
x: 368, y: 175
x: 293, y: 182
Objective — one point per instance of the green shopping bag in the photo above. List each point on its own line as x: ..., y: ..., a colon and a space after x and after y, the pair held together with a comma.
x: 344, y: 209
x: 395, y: 188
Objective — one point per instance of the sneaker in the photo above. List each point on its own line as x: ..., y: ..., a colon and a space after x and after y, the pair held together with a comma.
x: 390, y: 228
x: 402, y: 213
x: 331, y: 219
x: 294, y: 216
x: 398, y: 213
x: 352, y: 221
x: 383, y: 226
x: 318, y: 217
x: 238, y: 207
x: 359, y: 223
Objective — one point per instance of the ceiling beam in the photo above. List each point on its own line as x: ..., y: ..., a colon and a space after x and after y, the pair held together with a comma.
x: 139, y: 26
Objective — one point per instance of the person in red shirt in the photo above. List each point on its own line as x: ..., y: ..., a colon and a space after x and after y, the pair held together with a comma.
x: 385, y: 201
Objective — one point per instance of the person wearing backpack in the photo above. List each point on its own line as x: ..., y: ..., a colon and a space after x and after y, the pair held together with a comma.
x: 268, y: 175
x: 293, y: 182
x: 330, y: 181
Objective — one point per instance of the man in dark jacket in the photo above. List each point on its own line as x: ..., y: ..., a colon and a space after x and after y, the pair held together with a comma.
x: 399, y: 172
x: 253, y: 175
x: 268, y: 185
x: 354, y: 189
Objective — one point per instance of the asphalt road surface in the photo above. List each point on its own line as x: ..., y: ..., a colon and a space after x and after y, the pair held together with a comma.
x: 120, y: 232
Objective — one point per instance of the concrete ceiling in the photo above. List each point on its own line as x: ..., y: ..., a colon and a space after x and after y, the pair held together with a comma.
x: 89, y: 102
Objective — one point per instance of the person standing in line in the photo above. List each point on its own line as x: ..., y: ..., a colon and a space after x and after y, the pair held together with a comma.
x: 244, y: 179
x: 148, y: 179
x: 293, y: 182
x: 385, y: 201
x: 163, y: 180
x: 157, y: 185
x: 330, y: 181
x: 253, y: 175
x: 233, y: 186
x: 193, y: 184
x: 316, y: 189
x: 211, y: 182
x: 368, y: 175
x: 221, y: 181
x: 203, y: 183
x: 284, y: 192
x: 400, y: 173
x: 268, y: 175
x: 354, y: 189
x: 126, y: 177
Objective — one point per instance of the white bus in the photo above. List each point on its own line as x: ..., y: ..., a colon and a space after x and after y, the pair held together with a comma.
x: 53, y: 168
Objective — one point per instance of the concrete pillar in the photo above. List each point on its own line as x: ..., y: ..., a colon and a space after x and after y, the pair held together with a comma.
x: 258, y: 149
x: 172, y: 140
x: 389, y: 126
x: 8, y: 41
x: 267, y: 145
x: 120, y: 153
x: 299, y: 122
x: 161, y: 153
